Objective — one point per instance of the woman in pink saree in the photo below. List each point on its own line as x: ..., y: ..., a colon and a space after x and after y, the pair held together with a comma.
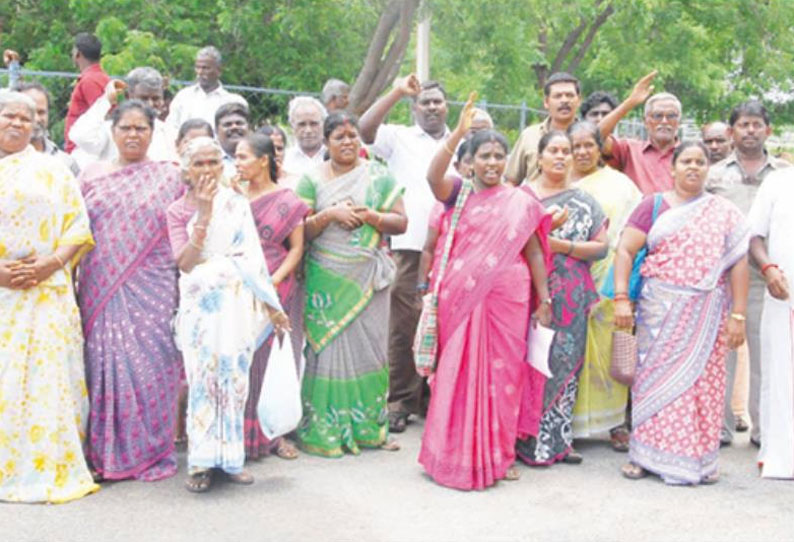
x: 690, y: 311
x: 127, y: 292
x: 498, y: 255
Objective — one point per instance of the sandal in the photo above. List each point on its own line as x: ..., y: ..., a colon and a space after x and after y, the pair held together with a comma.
x: 741, y: 425
x: 244, y: 478
x: 619, y: 439
x: 199, y: 482
x: 286, y: 450
x: 390, y: 445
x: 633, y: 471
x: 573, y: 458
x: 712, y: 478
x: 512, y: 474
x: 397, y: 422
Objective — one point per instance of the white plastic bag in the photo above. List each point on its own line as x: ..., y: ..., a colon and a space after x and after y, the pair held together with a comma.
x: 279, y: 408
x: 540, y: 339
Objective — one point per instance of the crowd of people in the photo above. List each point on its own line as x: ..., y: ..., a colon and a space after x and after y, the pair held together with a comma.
x: 150, y: 268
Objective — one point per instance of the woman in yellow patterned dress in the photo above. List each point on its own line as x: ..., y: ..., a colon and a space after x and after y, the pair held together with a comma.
x: 43, y: 400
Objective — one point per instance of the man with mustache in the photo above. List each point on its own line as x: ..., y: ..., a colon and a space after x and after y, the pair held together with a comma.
x: 202, y: 99
x: 648, y: 163
x: 306, y: 117
x: 231, y: 126
x: 408, y: 151
x: 92, y: 134
x: 561, y: 100
x: 738, y: 178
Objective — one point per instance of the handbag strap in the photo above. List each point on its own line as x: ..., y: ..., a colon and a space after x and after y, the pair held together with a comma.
x: 465, y: 189
x: 657, y: 203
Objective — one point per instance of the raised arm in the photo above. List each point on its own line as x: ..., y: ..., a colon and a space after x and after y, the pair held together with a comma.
x: 370, y: 121
x: 639, y: 94
x: 440, y: 184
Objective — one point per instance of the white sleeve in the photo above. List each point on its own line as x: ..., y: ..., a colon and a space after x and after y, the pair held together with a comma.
x: 385, y: 140
x: 174, y: 118
x: 761, y: 211
x: 89, y: 132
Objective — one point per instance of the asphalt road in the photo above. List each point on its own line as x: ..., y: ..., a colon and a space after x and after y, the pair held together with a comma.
x: 385, y: 496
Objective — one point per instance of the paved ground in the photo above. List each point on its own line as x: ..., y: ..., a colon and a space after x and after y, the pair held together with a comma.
x: 385, y: 496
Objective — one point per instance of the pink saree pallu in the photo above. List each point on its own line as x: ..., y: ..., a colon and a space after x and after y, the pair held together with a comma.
x: 681, y: 314
x: 127, y: 293
x: 472, y: 421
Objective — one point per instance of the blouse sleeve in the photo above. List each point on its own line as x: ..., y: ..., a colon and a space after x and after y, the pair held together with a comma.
x: 642, y: 217
x: 74, y: 224
x: 386, y: 187
x: 449, y: 203
x: 177, y: 217
x: 307, y: 192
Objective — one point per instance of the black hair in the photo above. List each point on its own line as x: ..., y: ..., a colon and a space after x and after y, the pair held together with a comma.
x: 597, y: 98
x: 262, y: 145
x: 750, y: 108
x: 548, y: 136
x: 230, y: 108
x: 194, y: 124
x: 135, y: 105
x: 689, y: 144
x: 586, y: 126
x: 24, y: 86
x: 463, y: 148
x: 431, y: 85
x: 337, y: 119
x: 487, y: 136
x: 560, y: 77
x: 270, y: 129
x: 89, y: 46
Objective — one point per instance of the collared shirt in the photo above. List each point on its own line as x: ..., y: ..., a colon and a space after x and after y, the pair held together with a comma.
x: 770, y: 217
x: 408, y: 151
x: 52, y: 149
x: 229, y: 167
x: 193, y: 103
x: 728, y: 178
x: 523, y: 162
x: 649, y: 168
x: 93, y: 136
x: 298, y: 163
x: 90, y: 86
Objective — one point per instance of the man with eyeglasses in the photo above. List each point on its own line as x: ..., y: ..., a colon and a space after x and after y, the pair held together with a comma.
x: 738, y: 178
x: 648, y: 163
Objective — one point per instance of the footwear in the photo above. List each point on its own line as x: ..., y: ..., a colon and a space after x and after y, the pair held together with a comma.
x: 573, y: 458
x: 286, y: 450
x: 755, y: 442
x: 741, y: 425
x: 243, y: 478
x: 512, y: 474
x: 390, y: 445
x: 619, y: 439
x: 397, y: 422
x: 199, y: 482
x: 725, y: 438
x: 712, y: 478
x: 633, y: 471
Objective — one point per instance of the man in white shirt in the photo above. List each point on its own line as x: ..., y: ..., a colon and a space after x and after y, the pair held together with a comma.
x: 92, y: 134
x: 202, y: 99
x: 306, y: 117
x: 408, y: 151
x: 231, y: 125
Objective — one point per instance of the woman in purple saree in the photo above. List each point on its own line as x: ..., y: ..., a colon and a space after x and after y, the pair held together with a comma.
x: 127, y: 293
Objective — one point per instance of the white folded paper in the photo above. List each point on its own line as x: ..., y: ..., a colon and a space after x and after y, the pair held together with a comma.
x: 540, y: 339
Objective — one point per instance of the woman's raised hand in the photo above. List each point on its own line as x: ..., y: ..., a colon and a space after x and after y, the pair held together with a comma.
x: 559, y: 217
x: 466, y: 114
x: 205, y: 190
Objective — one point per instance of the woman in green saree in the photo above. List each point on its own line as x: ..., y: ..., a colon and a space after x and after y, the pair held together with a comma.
x: 347, y: 275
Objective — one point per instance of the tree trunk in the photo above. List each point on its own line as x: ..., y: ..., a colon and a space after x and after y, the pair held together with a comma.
x: 385, y: 54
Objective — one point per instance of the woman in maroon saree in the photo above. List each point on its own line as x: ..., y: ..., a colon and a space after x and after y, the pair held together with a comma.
x: 497, y: 256
x: 278, y: 214
x: 127, y: 292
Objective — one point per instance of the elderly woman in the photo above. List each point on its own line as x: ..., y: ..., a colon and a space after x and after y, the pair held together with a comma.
x: 227, y: 308
x: 127, y: 293
x: 691, y: 309
x: 497, y: 272
x: 278, y: 214
x: 43, y: 233
x: 601, y: 401
x: 353, y: 203
x: 190, y: 130
x: 579, y: 240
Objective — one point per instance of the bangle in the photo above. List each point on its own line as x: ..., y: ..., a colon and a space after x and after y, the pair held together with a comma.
x: 422, y: 286
x: 570, y: 250
x: 380, y: 221
x: 58, y: 259
x: 546, y: 301
x: 446, y: 148
x: 738, y: 316
x: 621, y: 297
x: 199, y: 226
x: 766, y: 268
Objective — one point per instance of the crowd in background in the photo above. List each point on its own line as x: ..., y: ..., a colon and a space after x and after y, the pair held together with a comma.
x: 151, y: 270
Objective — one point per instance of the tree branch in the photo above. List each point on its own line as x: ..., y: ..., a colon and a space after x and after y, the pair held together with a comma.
x: 567, y: 46
x: 588, y: 40
x: 378, y: 42
x: 541, y: 70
